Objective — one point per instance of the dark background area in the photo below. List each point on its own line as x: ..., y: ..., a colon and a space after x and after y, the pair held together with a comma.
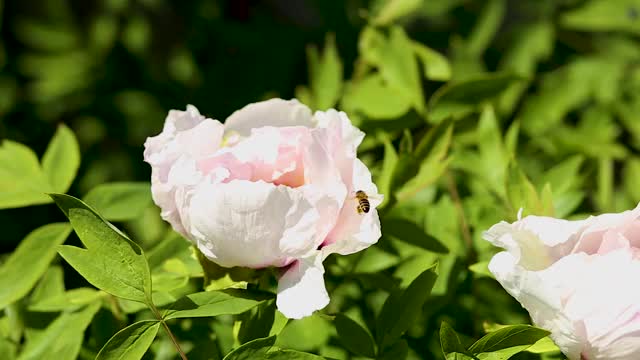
x: 111, y: 70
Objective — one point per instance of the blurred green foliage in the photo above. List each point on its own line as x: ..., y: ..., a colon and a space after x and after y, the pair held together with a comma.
x: 473, y: 110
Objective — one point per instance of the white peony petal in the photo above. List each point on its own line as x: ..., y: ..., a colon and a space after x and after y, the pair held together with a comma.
x: 169, y: 194
x: 349, y: 136
x: 536, y: 241
x: 184, y: 133
x: 301, y: 289
x: 355, y: 231
x: 186, y: 136
x: 252, y: 224
x: 274, y: 112
x: 542, y: 298
x: 598, y: 226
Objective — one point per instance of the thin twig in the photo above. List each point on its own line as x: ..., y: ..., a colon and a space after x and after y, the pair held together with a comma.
x: 171, y: 336
x: 466, y: 233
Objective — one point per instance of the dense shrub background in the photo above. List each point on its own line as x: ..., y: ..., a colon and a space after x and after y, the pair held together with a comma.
x: 472, y: 109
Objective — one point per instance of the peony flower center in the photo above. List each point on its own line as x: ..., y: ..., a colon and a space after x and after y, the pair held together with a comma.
x: 279, y: 160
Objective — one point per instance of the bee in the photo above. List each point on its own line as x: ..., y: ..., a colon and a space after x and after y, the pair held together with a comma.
x: 363, y: 202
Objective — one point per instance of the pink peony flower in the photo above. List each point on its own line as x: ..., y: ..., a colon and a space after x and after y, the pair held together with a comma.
x: 273, y: 186
x: 577, y: 279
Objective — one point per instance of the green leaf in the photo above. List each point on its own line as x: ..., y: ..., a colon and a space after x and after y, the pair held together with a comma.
x: 532, y: 43
x: 257, y: 322
x: 51, y: 284
x: 256, y: 349
x: 389, y: 163
x: 61, y: 159
x: 631, y: 178
x: 604, y: 15
x: 543, y: 345
x: 21, y: 178
x: 399, y: 74
x: 214, y: 303
x: 306, y: 334
x: 456, y: 100
x: 567, y: 88
x: 374, y: 259
x: 73, y: 298
x: 605, y: 184
x: 485, y: 29
x: 130, y: 343
x: 120, y: 201
x: 565, y: 175
x: 399, y: 66
x: 111, y: 262
x: 375, y: 99
x: 494, y: 159
x: 325, y: 74
x: 396, y: 351
x: 411, y: 233
x: 435, y: 65
x: 29, y: 261
x: 281, y: 354
x: 401, y: 311
x: 8, y: 349
x: 392, y: 10
x: 521, y: 192
x: 452, y: 348
x: 507, y: 341
x: 62, y: 339
x: 431, y: 152
x: 354, y: 337
x: 481, y: 269
x: 171, y: 245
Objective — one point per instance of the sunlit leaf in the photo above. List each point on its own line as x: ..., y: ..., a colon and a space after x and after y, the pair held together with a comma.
x: 400, y: 311
x: 392, y: 10
x: 256, y: 349
x: 61, y: 160
x: 130, y: 343
x: 62, y: 339
x: 111, y: 261
x: 455, y: 100
x: 604, y: 15
x: 214, y: 303
x: 29, y: 261
x: 354, y: 337
x: 507, y: 341
x: 22, y: 180
x: 120, y: 201
x: 325, y: 74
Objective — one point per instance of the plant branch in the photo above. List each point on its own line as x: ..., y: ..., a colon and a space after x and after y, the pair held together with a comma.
x: 464, y: 227
x: 166, y: 327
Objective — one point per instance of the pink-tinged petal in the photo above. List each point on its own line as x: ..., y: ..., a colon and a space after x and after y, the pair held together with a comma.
x: 184, y: 133
x: 356, y: 231
x: 186, y: 136
x: 581, y: 300
x: 342, y: 142
x: 597, y: 226
x: 347, y: 135
x: 274, y: 112
x: 225, y: 167
x: 169, y: 195
x: 542, y: 297
x: 301, y: 289
x: 536, y: 241
x: 252, y: 224
x: 280, y: 159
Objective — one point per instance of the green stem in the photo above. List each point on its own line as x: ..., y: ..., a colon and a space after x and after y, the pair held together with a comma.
x: 464, y: 227
x: 166, y: 327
